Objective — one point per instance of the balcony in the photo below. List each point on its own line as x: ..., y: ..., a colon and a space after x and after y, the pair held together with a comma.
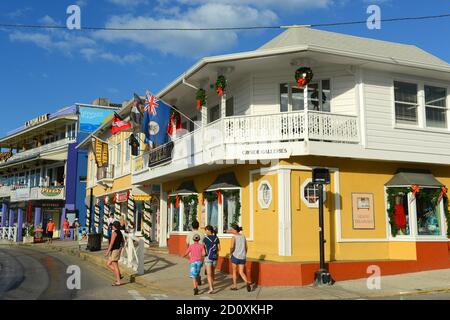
x: 255, y: 137
x: 105, y: 175
x: 5, y: 191
x: 28, y: 154
x: 25, y: 193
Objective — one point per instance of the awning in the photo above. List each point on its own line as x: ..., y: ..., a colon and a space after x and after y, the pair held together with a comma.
x: 224, y: 181
x: 405, y: 177
x: 186, y: 188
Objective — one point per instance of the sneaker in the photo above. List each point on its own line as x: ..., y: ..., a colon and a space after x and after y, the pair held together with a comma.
x: 196, y: 292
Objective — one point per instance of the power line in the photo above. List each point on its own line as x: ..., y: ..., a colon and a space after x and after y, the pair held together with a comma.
x: 331, y: 24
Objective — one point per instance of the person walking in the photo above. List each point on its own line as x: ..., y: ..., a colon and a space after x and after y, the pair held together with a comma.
x: 75, y: 226
x: 190, y: 240
x: 196, y: 253
x: 114, y: 250
x: 239, y: 256
x: 109, y: 223
x: 49, y: 230
x: 66, y: 227
x: 212, y: 248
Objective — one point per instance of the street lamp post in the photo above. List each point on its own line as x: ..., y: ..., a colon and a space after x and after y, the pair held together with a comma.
x: 321, y: 176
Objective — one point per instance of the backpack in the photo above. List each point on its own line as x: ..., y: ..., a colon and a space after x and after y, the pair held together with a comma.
x: 212, y: 253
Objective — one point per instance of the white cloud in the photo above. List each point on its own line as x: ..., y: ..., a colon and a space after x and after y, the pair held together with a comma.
x: 272, y: 4
x: 128, y: 3
x: 188, y: 43
x: 70, y: 44
x: 19, y: 13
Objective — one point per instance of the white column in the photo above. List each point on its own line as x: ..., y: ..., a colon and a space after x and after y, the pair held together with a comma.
x: 223, y: 106
x: 284, y: 213
x: 163, y: 222
x: 204, y: 115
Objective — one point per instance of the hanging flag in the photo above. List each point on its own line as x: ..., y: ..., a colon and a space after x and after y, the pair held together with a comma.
x: 134, y: 143
x: 156, y: 120
x: 120, y: 124
x: 101, y: 152
x: 137, y: 111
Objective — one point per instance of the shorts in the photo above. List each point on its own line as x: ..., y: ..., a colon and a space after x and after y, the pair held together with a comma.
x: 194, y: 269
x: 50, y: 234
x: 210, y: 262
x: 114, y: 256
x: 237, y: 261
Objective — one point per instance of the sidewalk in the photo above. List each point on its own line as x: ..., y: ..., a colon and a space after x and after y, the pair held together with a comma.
x: 169, y: 273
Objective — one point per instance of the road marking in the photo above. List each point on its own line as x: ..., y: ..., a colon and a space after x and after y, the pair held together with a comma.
x: 136, y: 295
x: 160, y: 296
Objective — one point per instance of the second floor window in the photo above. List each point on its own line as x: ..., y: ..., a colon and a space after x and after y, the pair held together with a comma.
x: 436, y: 107
x: 405, y: 103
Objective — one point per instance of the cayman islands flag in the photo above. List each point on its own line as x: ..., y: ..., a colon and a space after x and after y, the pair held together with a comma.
x: 156, y: 120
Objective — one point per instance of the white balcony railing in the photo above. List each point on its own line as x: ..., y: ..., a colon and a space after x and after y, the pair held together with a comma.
x: 8, y: 233
x: 5, y: 191
x: 37, y: 151
x: 280, y: 127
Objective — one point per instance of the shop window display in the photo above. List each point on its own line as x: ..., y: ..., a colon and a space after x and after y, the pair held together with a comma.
x: 401, y: 214
x: 428, y: 214
x: 175, y: 219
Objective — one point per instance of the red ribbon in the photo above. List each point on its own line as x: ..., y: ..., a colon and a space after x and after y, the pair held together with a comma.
x: 444, y: 190
x: 219, y: 196
x: 177, y: 201
x: 219, y: 91
x: 199, y: 104
x: 301, y: 82
x: 415, y: 189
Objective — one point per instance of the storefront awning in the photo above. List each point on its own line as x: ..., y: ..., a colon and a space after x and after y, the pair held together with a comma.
x: 224, y: 181
x: 186, y: 188
x: 409, y: 178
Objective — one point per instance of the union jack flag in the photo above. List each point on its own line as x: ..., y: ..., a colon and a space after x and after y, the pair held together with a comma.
x: 151, y: 103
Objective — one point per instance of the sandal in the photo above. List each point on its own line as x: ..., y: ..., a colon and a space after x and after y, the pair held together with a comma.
x: 234, y: 289
x: 211, y: 291
x: 249, y: 287
x: 116, y: 284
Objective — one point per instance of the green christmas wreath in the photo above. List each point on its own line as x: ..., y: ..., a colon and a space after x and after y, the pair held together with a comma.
x: 221, y: 85
x: 201, y: 98
x: 303, y: 76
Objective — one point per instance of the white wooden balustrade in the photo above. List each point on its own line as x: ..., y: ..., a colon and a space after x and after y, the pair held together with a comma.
x: 133, y: 253
x: 8, y: 233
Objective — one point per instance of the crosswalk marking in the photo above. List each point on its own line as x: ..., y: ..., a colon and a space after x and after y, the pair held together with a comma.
x: 136, y: 295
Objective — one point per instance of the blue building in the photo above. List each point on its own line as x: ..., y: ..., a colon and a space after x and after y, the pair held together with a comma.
x: 42, y: 174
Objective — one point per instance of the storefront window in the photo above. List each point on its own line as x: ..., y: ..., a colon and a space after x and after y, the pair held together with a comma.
x: 428, y: 221
x: 213, y: 214
x: 229, y: 210
x: 190, y: 210
x: 311, y: 194
x: 401, y: 214
x: 175, y: 219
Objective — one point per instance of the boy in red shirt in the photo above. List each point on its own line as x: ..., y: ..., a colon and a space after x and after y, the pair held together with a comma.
x: 196, y: 252
x: 50, y: 228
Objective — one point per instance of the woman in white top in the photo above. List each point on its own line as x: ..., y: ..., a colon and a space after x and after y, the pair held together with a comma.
x: 239, y: 256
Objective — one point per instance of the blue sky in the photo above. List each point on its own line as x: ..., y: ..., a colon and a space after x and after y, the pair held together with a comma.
x: 42, y: 71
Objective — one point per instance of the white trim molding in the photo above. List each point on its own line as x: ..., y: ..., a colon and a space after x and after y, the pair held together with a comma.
x: 284, y: 213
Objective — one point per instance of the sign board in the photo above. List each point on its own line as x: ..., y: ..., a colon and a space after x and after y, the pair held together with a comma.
x: 91, y: 118
x: 142, y: 197
x: 51, y: 192
x: 22, y: 193
x: 122, y: 196
x: 161, y: 154
x: 37, y: 120
x: 363, y: 211
x: 263, y: 151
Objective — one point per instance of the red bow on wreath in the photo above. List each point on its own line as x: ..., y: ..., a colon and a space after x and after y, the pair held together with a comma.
x: 415, y: 189
x: 219, y: 91
x: 301, y: 82
x: 199, y: 104
x: 444, y: 190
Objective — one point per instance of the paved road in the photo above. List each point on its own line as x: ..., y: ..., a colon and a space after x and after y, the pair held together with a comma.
x: 33, y: 274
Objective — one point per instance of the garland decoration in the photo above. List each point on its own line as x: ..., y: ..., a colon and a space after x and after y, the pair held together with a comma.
x: 146, y: 222
x: 171, y: 201
x: 221, y: 85
x: 303, y: 76
x: 201, y: 98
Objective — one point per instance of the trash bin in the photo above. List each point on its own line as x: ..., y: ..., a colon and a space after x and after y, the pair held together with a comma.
x: 94, y: 242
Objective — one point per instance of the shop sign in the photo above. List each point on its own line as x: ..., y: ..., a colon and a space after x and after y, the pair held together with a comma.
x: 142, y: 197
x: 161, y: 154
x: 122, y: 196
x: 5, y: 155
x: 37, y: 120
x: 363, y: 211
x: 22, y: 193
x: 51, y: 192
x: 263, y: 151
